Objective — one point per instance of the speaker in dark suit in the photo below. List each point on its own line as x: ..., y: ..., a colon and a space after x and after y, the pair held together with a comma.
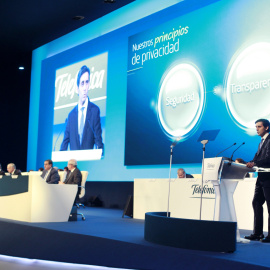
x: 262, y: 188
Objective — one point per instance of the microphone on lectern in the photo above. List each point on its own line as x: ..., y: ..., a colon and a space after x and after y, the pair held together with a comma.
x: 175, y: 142
x: 225, y: 149
x: 236, y: 149
x: 204, y: 142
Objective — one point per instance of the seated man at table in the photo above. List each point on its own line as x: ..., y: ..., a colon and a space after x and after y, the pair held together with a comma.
x: 50, y: 174
x: 74, y: 176
x: 11, y: 168
x: 1, y: 171
x: 182, y: 174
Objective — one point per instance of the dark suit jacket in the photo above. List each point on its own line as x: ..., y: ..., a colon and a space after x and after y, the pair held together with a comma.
x: 189, y: 176
x: 2, y: 172
x: 91, y: 133
x: 262, y: 159
x: 17, y: 172
x: 53, y: 177
x: 75, y: 178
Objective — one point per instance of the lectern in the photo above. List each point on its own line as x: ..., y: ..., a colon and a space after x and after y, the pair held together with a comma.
x: 224, y: 175
x: 31, y: 199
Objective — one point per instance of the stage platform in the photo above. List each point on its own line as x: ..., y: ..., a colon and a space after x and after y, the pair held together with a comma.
x: 107, y: 239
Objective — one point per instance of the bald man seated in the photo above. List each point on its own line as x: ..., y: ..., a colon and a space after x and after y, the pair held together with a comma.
x: 11, y: 168
x: 182, y: 174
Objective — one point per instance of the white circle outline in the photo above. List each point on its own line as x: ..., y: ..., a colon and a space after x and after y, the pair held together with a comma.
x: 237, y: 58
x: 198, y: 115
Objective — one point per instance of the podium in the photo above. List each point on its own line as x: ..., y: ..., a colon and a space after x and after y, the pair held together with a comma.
x: 31, y: 199
x: 224, y: 175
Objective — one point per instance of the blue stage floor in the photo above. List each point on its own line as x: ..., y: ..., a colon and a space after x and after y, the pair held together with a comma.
x: 104, y: 224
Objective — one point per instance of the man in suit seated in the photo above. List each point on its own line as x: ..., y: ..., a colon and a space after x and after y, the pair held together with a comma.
x: 50, y: 174
x: 74, y: 176
x: 182, y: 174
x: 11, y: 168
x: 1, y: 171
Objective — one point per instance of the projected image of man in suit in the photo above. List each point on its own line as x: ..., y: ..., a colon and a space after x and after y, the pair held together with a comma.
x: 83, y: 129
x: 262, y: 188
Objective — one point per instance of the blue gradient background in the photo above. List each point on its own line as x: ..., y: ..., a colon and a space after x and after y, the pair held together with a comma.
x: 215, y: 34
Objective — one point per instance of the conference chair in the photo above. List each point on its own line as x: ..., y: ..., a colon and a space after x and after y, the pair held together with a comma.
x: 63, y: 175
x: 82, y: 193
x: 197, y: 175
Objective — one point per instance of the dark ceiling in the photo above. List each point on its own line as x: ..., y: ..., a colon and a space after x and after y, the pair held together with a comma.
x: 29, y: 24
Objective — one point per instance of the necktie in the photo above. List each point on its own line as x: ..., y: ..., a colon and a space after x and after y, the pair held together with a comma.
x: 81, y: 125
x: 67, y: 177
x: 260, y: 145
x: 46, y: 175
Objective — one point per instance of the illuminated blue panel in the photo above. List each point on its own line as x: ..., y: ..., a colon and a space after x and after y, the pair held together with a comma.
x: 230, y: 39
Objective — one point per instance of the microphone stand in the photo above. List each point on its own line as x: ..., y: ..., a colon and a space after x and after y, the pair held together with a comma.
x: 235, y: 151
x: 171, y: 154
x: 225, y: 149
x: 203, y: 142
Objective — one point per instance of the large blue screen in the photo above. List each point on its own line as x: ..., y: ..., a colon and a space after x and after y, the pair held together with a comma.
x: 206, y: 70
x: 199, y: 66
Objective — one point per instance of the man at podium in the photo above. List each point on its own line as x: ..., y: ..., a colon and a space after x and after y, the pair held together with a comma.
x: 262, y: 188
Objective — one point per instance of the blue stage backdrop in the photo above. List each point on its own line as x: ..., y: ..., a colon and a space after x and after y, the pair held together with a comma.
x: 173, y: 71
x: 208, y: 69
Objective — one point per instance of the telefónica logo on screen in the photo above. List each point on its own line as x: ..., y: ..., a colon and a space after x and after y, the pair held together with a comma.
x: 181, y: 100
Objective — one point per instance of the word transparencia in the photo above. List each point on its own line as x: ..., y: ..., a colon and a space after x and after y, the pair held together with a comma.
x: 250, y: 86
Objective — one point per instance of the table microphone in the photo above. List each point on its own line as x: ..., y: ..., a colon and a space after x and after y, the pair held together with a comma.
x: 226, y: 149
x: 236, y: 149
